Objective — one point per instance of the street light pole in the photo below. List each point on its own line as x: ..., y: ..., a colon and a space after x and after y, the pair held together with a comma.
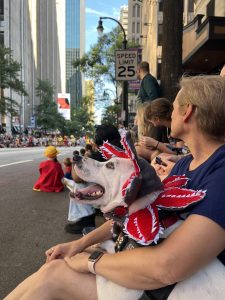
x: 100, y: 29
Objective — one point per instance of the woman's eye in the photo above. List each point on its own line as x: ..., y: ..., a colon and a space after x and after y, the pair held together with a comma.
x: 110, y: 165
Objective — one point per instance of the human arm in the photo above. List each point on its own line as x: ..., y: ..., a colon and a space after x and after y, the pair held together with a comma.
x: 98, y: 235
x: 144, y: 152
x: 149, y: 142
x: 174, y: 260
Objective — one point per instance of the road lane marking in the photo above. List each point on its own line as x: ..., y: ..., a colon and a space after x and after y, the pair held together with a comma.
x: 16, y: 163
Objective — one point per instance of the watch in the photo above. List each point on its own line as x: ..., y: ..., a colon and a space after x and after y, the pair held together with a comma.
x: 93, y: 258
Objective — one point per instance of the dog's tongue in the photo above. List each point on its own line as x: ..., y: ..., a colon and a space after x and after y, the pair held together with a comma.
x: 92, y: 191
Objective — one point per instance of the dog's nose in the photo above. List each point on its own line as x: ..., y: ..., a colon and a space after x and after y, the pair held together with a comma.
x: 77, y: 158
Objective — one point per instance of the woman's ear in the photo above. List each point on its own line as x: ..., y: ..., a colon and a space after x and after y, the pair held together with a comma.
x: 188, y: 112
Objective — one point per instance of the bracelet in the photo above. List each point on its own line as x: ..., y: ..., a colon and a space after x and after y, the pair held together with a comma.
x: 156, y: 147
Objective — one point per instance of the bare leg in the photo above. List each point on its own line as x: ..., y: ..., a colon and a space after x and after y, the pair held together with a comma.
x: 56, y: 281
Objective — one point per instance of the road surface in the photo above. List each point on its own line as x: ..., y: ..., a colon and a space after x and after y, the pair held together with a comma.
x: 30, y: 222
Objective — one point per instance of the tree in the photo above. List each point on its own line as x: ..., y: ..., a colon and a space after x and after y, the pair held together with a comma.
x: 110, y: 115
x: 171, y: 68
x: 9, y: 78
x: 99, y: 62
x: 83, y: 120
x: 46, y: 112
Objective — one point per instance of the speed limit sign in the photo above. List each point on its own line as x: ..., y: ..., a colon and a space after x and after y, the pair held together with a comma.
x: 126, y: 64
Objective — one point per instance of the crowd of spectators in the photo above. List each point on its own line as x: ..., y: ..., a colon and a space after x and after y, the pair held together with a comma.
x: 8, y: 140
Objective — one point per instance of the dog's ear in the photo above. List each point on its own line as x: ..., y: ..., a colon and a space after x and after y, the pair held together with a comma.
x: 126, y: 140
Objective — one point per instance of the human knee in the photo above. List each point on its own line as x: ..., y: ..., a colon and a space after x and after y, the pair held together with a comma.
x: 50, y: 273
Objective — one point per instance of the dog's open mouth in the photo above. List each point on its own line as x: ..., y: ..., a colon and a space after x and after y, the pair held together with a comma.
x: 91, y: 192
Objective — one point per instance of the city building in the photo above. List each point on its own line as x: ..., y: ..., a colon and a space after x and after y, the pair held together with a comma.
x: 134, y: 20
x: 75, y: 37
x: 203, y: 35
x: 204, y: 38
x: 124, y: 18
x: 34, y: 31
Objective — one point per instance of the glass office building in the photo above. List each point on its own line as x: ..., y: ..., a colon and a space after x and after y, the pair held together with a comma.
x: 74, y: 49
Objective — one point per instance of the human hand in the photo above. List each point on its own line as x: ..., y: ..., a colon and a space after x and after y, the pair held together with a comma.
x: 63, y: 250
x: 158, y: 168
x: 168, y: 167
x: 163, y: 170
x: 78, y: 262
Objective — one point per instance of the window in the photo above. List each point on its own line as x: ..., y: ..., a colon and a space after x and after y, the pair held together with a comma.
x: 138, y: 27
x: 138, y: 11
x: 134, y: 12
x: 160, y: 34
x: 2, y: 38
x: 161, y: 5
x: 1, y: 7
x: 133, y: 27
x: 210, y: 9
x: 159, y: 70
x: 191, y: 6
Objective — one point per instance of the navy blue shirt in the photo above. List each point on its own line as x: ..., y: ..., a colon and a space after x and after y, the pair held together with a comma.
x: 209, y: 176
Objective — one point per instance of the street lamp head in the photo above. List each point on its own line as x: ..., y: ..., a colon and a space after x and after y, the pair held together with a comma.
x: 100, y: 27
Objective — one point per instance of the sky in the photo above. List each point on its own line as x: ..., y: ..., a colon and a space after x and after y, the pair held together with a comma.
x: 100, y: 8
x: 94, y: 10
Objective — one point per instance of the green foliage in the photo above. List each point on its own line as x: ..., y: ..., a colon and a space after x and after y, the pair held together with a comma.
x: 9, y: 73
x: 46, y: 113
x: 82, y: 122
x: 111, y: 114
x: 99, y: 62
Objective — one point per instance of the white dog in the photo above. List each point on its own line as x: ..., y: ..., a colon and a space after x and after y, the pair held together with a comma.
x: 131, y: 183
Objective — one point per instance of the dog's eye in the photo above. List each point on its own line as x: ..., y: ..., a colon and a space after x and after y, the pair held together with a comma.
x: 110, y: 165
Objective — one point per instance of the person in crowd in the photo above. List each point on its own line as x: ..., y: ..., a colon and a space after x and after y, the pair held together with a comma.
x: 72, y: 140
x: 76, y: 152
x: 107, y: 132
x: 198, y: 119
x: 65, y: 140
x: 149, y: 89
x: 144, y: 125
x: 82, y: 151
x: 88, y: 150
x: 79, y: 215
x: 140, y: 129
x: 51, y: 173
x: 68, y: 168
x: 159, y: 113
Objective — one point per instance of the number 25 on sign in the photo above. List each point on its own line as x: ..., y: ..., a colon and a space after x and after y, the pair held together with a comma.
x: 126, y: 65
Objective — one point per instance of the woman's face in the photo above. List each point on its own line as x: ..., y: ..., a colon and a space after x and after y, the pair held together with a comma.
x: 177, y: 120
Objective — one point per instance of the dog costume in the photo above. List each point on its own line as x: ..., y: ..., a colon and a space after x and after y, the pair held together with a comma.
x: 126, y: 183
